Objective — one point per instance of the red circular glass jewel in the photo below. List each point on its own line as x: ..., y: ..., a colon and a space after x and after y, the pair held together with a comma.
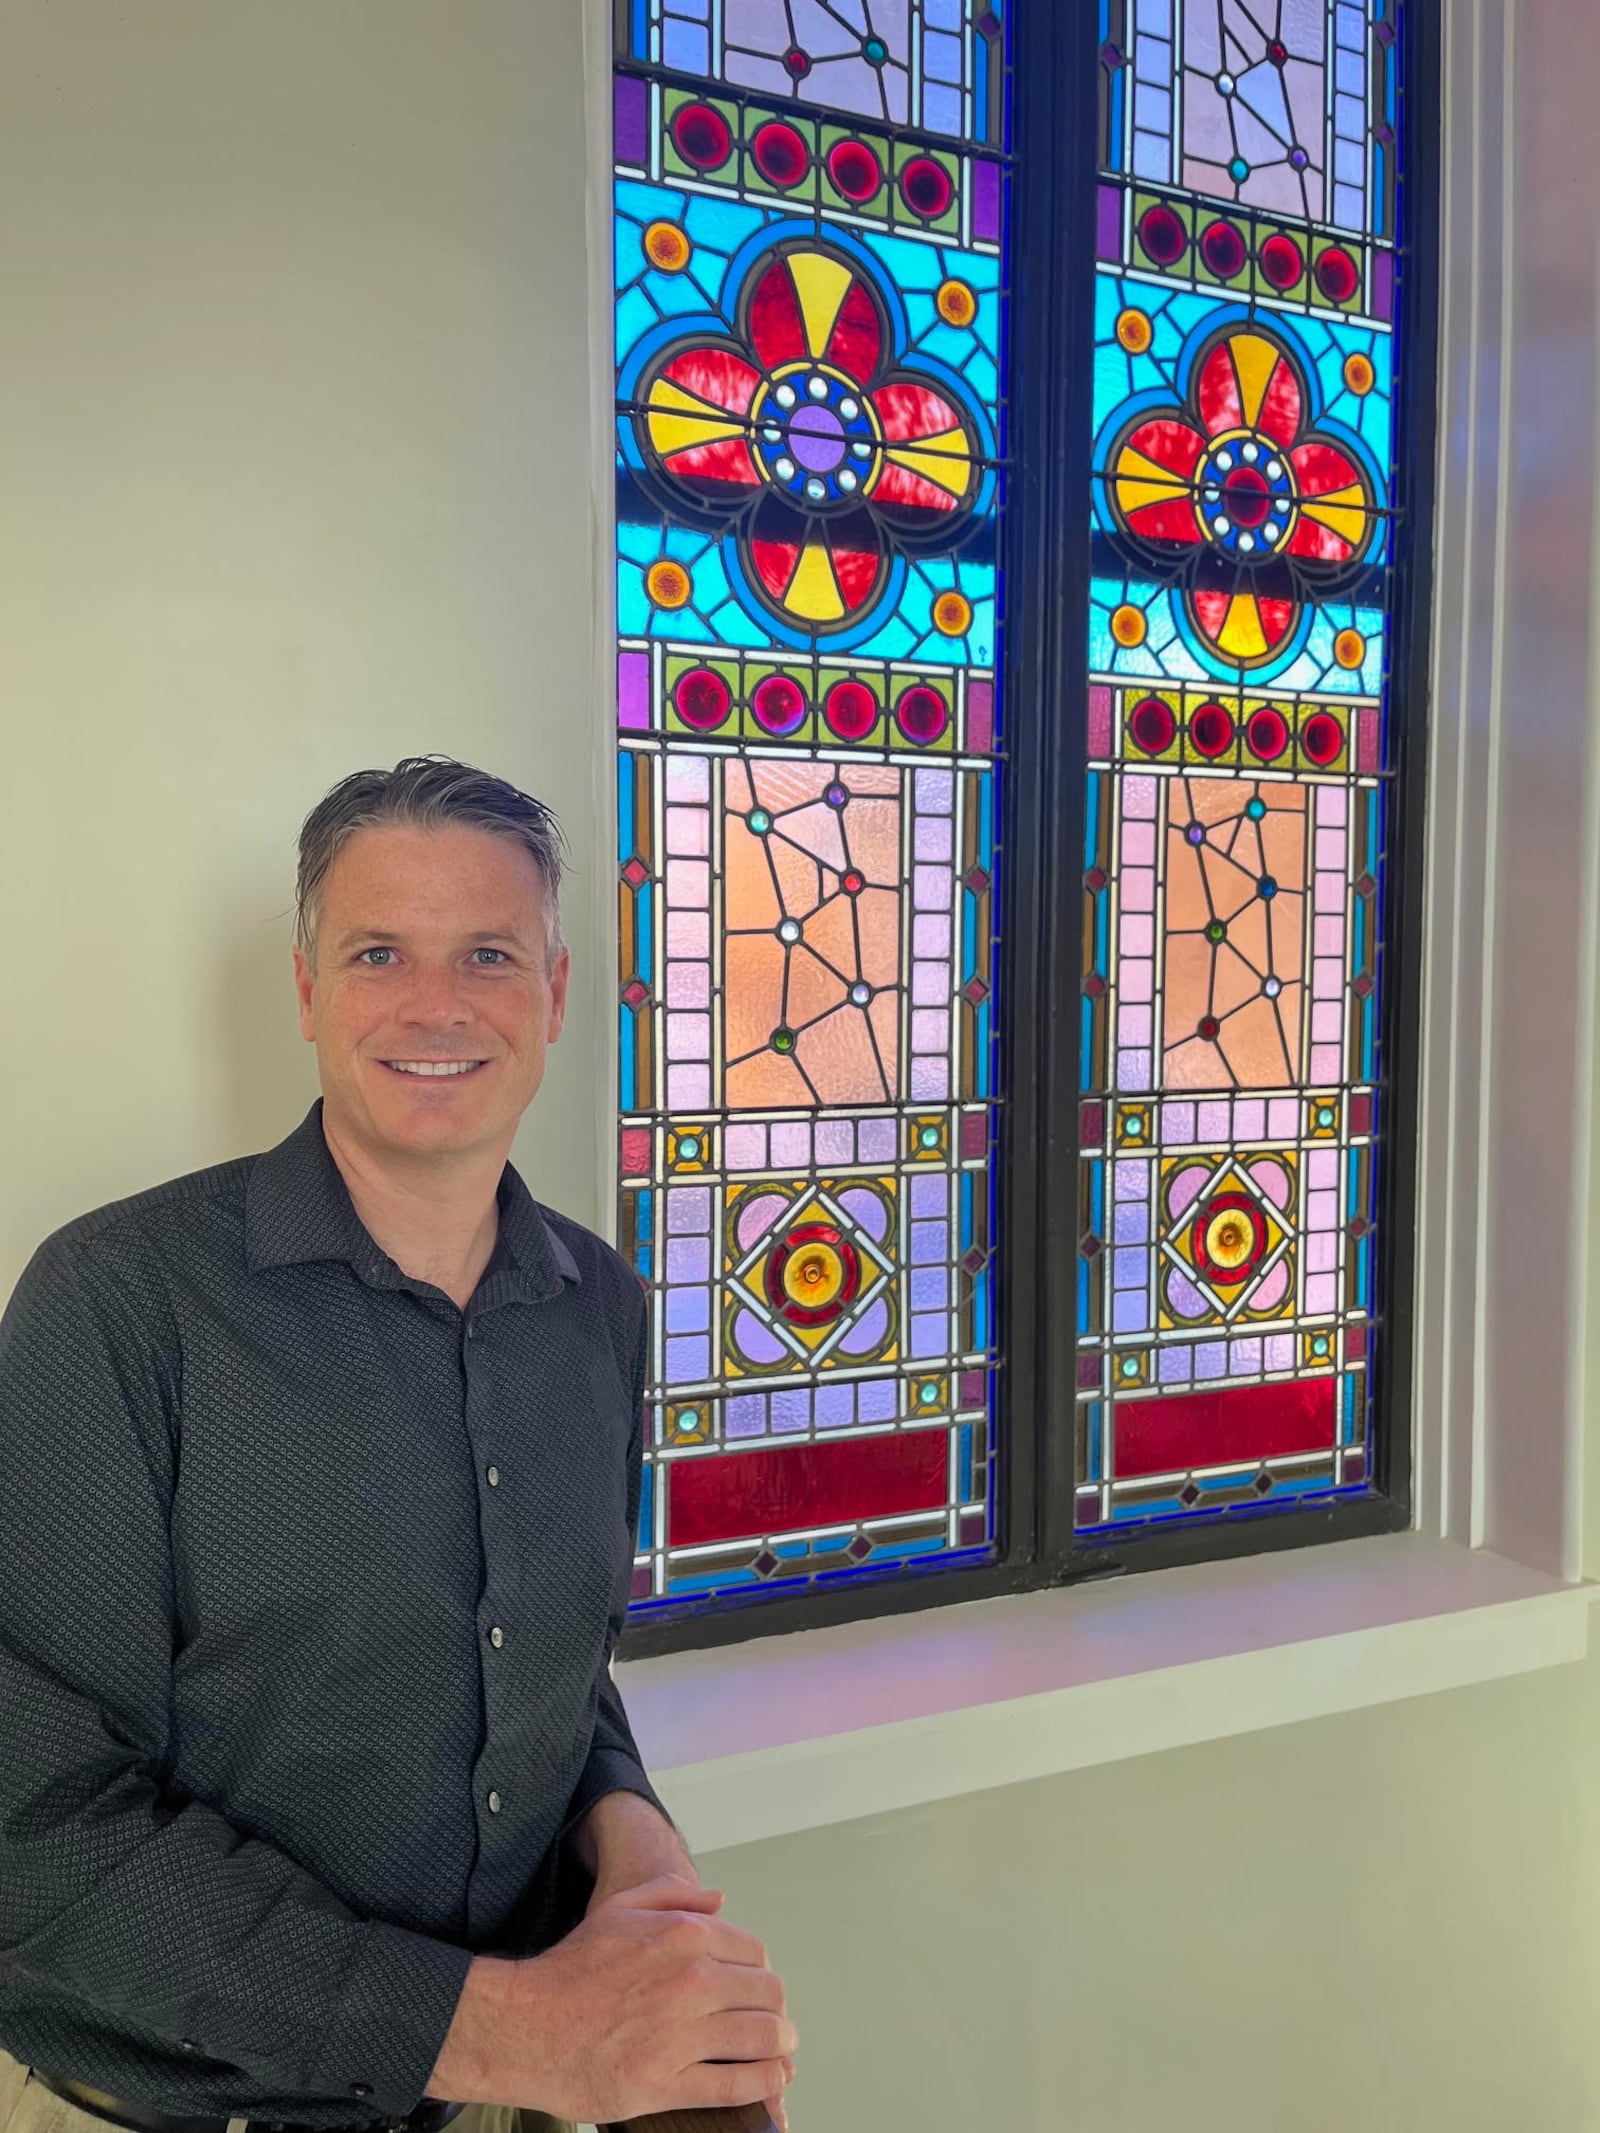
x: 1266, y: 734
x: 781, y: 156
x: 1337, y: 275
x: 797, y: 63
x: 1223, y: 250
x: 779, y: 704
x: 925, y: 188
x: 1247, y: 497
x: 702, y: 699
x: 1322, y: 738
x: 1211, y: 730
x: 851, y: 710
x: 855, y: 170
x: 1163, y: 236
x: 1209, y: 1026
x: 1152, y: 725
x: 702, y: 136
x: 922, y: 715
x: 852, y: 883
x: 1282, y: 260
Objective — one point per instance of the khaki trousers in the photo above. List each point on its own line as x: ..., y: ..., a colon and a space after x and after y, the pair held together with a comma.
x: 27, y: 2106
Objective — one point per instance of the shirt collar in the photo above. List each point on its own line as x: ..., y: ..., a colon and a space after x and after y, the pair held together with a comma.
x: 298, y: 1208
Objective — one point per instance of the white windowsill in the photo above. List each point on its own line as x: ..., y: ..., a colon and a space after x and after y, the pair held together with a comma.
x: 787, y: 1733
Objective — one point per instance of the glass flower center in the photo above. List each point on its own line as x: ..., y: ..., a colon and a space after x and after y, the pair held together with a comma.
x: 1246, y: 496
x: 815, y: 437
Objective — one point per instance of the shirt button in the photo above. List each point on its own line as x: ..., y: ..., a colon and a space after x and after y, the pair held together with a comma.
x: 471, y: 1329
x: 360, y: 2088
x: 494, y: 1477
x: 494, y: 1803
x: 497, y: 1636
x: 188, y: 2044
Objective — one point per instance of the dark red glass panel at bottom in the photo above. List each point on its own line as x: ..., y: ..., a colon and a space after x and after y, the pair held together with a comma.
x: 1190, y: 1429
x: 753, y: 1494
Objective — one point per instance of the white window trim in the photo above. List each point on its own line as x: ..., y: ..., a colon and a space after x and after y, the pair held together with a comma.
x: 756, y: 1739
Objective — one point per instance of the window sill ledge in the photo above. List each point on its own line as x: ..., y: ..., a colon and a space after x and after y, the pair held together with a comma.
x: 788, y: 1733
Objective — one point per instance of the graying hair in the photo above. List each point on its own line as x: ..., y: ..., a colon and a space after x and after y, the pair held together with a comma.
x: 426, y: 792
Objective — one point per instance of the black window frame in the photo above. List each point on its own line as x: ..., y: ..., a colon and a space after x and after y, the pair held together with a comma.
x: 1053, y: 140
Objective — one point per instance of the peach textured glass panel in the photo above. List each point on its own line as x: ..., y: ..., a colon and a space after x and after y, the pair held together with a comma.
x: 830, y: 932
x: 784, y: 784
x: 1261, y: 1049
x: 736, y: 792
x: 1232, y: 982
x: 799, y: 878
x: 878, y: 918
x: 872, y: 837
x: 814, y: 990
x: 752, y: 992
x: 841, y: 1060
x: 884, y: 1015
x: 766, y: 1082
x: 750, y: 899
x: 1287, y: 921
x: 816, y: 830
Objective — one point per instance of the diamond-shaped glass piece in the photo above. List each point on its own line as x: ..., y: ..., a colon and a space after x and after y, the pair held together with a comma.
x: 859, y: 1549
x: 973, y: 1258
x: 636, y: 994
x: 1189, y: 1495
x: 975, y: 991
x: 636, y: 873
x: 765, y: 1563
x: 976, y: 880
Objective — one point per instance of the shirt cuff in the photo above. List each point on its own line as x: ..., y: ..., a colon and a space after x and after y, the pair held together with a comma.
x: 395, y: 2009
x: 611, y: 1770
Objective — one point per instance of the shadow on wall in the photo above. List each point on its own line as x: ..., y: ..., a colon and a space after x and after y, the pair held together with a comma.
x: 268, y: 1073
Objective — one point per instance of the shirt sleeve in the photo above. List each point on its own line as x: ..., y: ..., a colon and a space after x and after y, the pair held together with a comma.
x: 114, y: 1890
x: 614, y: 1763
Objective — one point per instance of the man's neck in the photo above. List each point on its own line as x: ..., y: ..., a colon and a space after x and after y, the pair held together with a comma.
x: 437, y: 1224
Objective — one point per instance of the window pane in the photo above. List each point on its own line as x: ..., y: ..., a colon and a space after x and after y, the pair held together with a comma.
x: 808, y: 330
x: 1240, y: 754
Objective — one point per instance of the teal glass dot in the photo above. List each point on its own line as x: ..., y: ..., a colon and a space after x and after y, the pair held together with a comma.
x: 875, y: 51
x: 1238, y: 170
x: 930, y: 1136
x: 929, y: 1395
x: 1256, y: 809
x: 760, y: 821
x: 1130, y: 1367
x: 689, y: 1148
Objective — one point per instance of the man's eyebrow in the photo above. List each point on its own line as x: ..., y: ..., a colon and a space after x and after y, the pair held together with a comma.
x: 375, y: 935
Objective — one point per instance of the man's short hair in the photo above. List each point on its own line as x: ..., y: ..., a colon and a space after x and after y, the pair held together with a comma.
x: 426, y: 792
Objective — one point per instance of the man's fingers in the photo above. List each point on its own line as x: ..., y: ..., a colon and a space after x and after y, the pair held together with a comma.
x: 738, y: 2033
x: 745, y: 1988
x: 670, y: 1892
x: 728, y: 1943
x: 706, y: 2087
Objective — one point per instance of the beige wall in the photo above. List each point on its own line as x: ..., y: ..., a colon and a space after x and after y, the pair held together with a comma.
x: 293, y: 454
x: 293, y: 480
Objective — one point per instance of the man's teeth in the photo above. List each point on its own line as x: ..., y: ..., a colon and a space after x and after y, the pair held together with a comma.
x: 434, y: 1066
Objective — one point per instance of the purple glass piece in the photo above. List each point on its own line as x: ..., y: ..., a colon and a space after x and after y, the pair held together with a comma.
x: 878, y: 1400
x: 688, y: 1259
x: 867, y: 1331
x: 980, y: 716
x: 688, y: 1310
x: 631, y: 133
x: 927, y: 1242
x: 816, y: 438
x: 633, y: 691
x: 745, y: 1415
x: 930, y: 1334
x: 835, y: 1406
x: 1211, y: 1360
x: 835, y: 1140
x: 986, y: 201
x: 929, y: 1288
x: 930, y: 1193
x: 1108, y: 223
x: 1383, y: 285
x: 867, y: 1209
x: 688, y: 1208
x: 875, y: 1138
x: 688, y: 1360
x: 1172, y: 1365
x: 757, y: 1340
x: 791, y: 1411
x: 1131, y: 1313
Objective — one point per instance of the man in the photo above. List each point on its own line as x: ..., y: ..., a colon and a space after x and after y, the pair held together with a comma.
x: 318, y: 1806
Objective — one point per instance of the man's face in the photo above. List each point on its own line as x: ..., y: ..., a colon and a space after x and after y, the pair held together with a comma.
x: 431, y: 948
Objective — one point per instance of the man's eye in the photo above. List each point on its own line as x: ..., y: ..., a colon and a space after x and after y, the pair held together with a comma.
x: 493, y: 951
x: 373, y: 951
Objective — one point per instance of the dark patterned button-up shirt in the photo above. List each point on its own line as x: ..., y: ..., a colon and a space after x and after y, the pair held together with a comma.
x: 309, y: 1581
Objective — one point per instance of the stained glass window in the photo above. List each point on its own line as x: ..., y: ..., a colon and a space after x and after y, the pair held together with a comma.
x: 809, y: 286
x: 850, y: 339
x: 1241, y: 748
